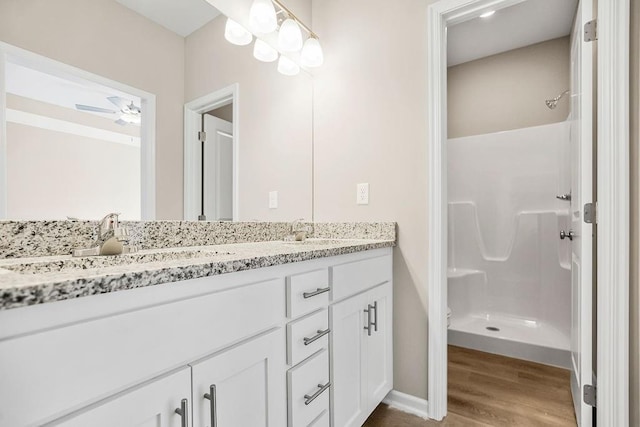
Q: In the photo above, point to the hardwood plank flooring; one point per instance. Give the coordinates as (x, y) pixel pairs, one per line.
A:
(490, 390)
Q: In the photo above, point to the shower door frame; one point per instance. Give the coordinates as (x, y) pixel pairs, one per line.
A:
(612, 205)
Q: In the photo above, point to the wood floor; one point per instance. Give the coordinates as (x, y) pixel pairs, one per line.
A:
(491, 390)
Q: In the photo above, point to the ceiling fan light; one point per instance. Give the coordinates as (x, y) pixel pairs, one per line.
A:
(262, 17)
(236, 33)
(289, 36)
(312, 55)
(287, 66)
(130, 118)
(262, 51)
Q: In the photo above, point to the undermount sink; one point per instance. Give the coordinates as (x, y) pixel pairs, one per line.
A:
(314, 242)
(86, 263)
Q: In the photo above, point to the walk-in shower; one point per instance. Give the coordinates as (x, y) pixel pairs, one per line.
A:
(509, 280)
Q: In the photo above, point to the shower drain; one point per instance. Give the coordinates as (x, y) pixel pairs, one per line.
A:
(492, 328)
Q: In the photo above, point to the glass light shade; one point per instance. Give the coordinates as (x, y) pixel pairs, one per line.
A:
(262, 17)
(131, 118)
(311, 55)
(263, 52)
(287, 66)
(236, 33)
(289, 36)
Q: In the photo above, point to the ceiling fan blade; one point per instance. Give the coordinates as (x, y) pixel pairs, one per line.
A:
(119, 102)
(94, 109)
(121, 122)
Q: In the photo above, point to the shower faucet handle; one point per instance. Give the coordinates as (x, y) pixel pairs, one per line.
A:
(564, 235)
(565, 197)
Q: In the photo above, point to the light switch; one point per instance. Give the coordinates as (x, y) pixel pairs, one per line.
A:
(362, 194)
(273, 199)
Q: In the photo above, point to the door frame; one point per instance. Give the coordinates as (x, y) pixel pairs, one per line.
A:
(192, 112)
(51, 66)
(612, 205)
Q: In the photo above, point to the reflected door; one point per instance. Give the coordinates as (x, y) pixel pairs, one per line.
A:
(218, 169)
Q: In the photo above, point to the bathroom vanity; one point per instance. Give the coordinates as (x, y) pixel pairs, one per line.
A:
(292, 334)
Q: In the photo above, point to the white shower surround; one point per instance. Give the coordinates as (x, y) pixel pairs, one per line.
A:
(507, 266)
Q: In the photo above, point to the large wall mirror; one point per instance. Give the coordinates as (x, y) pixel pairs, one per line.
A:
(142, 107)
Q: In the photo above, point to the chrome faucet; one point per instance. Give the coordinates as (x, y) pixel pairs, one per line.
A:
(299, 232)
(112, 239)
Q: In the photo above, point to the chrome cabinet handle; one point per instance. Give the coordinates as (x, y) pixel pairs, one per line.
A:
(368, 311)
(308, 399)
(375, 316)
(183, 411)
(564, 197)
(211, 396)
(320, 334)
(316, 292)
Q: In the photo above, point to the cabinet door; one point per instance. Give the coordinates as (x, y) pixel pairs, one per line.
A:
(378, 347)
(245, 385)
(348, 401)
(150, 405)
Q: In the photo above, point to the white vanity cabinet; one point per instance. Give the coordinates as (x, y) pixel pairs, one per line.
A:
(152, 404)
(362, 352)
(273, 347)
(242, 386)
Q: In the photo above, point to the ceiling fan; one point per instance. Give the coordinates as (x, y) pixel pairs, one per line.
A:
(129, 113)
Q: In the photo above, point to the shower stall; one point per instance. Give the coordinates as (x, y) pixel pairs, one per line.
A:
(509, 275)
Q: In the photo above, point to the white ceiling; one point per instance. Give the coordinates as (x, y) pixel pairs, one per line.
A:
(524, 24)
(182, 17)
(29, 83)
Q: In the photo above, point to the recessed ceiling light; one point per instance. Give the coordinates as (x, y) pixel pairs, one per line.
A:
(487, 14)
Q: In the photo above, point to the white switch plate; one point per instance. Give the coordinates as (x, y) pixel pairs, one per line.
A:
(273, 199)
(362, 194)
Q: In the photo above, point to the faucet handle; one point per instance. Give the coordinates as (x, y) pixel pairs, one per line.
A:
(109, 222)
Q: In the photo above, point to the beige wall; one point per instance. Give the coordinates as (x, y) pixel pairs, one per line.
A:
(105, 38)
(507, 91)
(275, 122)
(224, 113)
(634, 158)
(370, 117)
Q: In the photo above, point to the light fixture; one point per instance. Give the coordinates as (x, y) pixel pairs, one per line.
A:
(487, 14)
(262, 51)
(262, 17)
(236, 33)
(287, 66)
(289, 36)
(311, 55)
(131, 118)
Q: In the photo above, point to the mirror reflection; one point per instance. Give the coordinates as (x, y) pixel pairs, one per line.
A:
(162, 119)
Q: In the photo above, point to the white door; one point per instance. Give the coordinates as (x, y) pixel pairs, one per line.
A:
(348, 401)
(245, 385)
(218, 169)
(581, 194)
(151, 405)
(378, 347)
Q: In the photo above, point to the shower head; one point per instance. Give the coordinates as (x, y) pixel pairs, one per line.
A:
(553, 103)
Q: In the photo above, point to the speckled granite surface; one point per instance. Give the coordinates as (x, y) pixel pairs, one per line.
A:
(44, 238)
(37, 280)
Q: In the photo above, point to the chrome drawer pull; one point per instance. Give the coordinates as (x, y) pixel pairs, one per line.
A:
(213, 411)
(183, 411)
(369, 323)
(316, 292)
(375, 316)
(308, 399)
(321, 333)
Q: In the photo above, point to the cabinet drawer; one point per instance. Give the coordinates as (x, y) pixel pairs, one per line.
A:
(306, 336)
(307, 292)
(308, 390)
(353, 277)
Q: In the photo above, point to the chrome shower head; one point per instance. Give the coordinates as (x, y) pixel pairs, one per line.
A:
(553, 103)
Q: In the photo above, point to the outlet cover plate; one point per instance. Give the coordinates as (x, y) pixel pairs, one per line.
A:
(362, 194)
(273, 199)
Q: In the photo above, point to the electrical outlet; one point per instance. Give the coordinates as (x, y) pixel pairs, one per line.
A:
(362, 194)
(273, 199)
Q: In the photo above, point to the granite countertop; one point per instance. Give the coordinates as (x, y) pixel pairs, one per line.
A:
(38, 280)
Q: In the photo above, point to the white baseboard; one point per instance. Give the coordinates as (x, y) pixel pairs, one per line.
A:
(407, 403)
